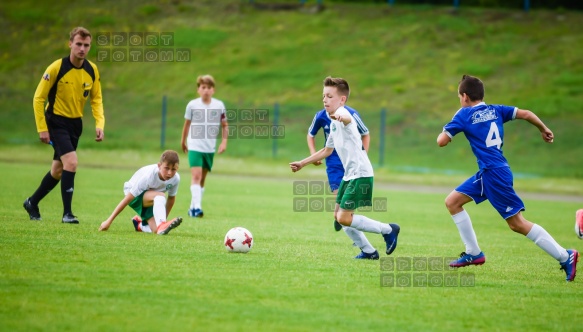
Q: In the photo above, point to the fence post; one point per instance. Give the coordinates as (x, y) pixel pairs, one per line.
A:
(275, 122)
(382, 137)
(163, 131)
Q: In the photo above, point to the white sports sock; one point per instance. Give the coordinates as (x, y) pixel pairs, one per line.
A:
(201, 194)
(196, 192)
(159, 209)
(464, 226)
(359, 239)
(146, 229)
(546, 242)
(365, 224)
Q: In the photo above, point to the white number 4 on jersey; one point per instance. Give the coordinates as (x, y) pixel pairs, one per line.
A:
(493, 138)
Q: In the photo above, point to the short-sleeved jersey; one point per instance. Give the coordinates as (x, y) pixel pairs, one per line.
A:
(347, 142)
(148, 178)
(483, 126)
(66, 89)
(205, 124)
(322, 121)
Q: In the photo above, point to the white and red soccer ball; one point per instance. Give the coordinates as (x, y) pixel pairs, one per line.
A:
(579, 224)
(238, 239)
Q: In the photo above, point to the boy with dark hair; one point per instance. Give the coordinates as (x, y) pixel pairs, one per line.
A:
(482, 125)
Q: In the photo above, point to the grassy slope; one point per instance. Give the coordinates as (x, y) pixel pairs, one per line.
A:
(407, 60)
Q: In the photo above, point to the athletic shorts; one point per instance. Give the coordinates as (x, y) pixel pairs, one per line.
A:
(495, 185)
(64, 133)
(144, 212)
(335, 173)
(355, 193)
(201, 159)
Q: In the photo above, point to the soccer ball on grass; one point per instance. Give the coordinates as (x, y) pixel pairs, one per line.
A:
(238, 239)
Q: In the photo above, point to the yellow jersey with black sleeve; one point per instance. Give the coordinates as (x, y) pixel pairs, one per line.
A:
(65, 89)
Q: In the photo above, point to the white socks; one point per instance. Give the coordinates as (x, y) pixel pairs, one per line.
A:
(464, 225)
(196, 192)
(365, 224)
(359, 239)
(546, 242)
(159, 209)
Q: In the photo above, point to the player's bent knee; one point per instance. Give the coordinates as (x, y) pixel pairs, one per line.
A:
(344, 219)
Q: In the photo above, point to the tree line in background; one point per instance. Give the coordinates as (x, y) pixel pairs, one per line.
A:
(518, 4)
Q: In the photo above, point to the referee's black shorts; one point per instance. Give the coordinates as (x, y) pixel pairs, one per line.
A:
(64, 133)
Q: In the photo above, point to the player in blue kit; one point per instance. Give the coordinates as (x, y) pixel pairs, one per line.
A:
(482, 125)
(334, 168)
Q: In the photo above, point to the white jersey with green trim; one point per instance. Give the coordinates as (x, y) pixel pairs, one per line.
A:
(205, 124)
(347, 141)
(148, 178)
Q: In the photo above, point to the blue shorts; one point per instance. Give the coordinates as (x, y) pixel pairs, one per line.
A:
(495, 185)
(335, 173)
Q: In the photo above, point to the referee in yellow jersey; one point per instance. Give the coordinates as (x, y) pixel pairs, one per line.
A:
(65, 87)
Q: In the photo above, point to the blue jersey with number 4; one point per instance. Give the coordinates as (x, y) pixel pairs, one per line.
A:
(483, 126)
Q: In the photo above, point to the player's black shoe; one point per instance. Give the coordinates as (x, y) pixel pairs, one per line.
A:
(69, 218)
(32, 210)
(337, 226)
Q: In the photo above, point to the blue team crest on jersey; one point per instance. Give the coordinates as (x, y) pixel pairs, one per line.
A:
(484, 115)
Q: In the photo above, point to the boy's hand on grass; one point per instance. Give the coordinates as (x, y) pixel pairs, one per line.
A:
(104, 226)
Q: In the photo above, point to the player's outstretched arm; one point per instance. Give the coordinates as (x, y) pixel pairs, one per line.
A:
(124, 202)
(323, 153)
(533, 119)
(443, 139)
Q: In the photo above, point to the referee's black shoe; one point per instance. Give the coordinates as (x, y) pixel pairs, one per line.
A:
(69, 218)
(32, 210)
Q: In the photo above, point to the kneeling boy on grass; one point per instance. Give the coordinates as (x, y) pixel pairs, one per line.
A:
(146, 191)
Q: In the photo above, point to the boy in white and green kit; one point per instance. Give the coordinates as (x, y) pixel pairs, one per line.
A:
(356, 187)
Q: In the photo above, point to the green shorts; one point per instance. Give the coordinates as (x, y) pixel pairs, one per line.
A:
(144, 212)
(355, 193)
(201, 159)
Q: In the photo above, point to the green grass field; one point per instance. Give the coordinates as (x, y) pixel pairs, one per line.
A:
(299, 276)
